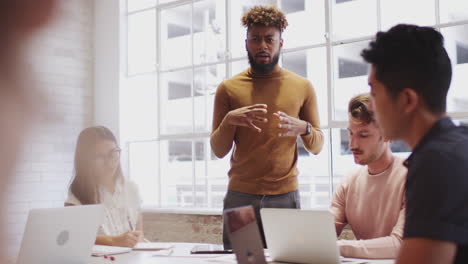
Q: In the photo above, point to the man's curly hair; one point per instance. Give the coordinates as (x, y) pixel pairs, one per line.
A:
(265, 16)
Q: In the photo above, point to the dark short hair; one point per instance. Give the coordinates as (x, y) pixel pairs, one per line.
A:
(358, 108)
(409, 56)
(269, 16)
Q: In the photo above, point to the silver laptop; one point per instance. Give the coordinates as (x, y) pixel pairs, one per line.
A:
(300, 236)
(60, 235)
(244, 235)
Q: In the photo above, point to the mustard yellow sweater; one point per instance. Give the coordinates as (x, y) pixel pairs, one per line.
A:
(264, 163)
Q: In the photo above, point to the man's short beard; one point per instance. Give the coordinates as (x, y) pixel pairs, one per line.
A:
(263, 68)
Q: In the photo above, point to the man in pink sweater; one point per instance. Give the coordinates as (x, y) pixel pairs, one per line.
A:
(371, 199)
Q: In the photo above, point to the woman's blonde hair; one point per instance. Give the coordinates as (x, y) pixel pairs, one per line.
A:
(84, 186)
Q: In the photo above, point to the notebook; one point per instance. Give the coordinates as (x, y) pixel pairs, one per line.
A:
(152, 246)
(99, 250)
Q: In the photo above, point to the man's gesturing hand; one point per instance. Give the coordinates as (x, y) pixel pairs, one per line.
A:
(246, 116)
(293, 127)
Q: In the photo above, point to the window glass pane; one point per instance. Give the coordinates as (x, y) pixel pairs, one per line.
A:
(306, 21)
(142, 42)
(143, 168)
(176, 40)
(209, 31)
(165, 1)
(207, 80)
(138, 108)
(238, 32)
(239, 66)
(202, 150)
(175, 97)
(314, 179)
(456, 43)
(354, 18)
(311, 64)
(453, 10)
(217, 175)
(349, 75)
(176, 173)
(134, 5)
(393, 13)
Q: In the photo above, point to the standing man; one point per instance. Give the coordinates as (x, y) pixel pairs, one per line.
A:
(262, 111)
(371, 199)
(409, 79)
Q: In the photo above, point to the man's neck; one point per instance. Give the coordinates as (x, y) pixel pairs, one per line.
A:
(275, 69)
(419, 126)
(382, 164)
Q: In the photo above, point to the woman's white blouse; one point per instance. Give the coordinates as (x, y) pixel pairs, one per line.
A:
(122, 208)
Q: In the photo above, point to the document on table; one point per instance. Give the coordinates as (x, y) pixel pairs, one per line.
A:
(152, 246)
(99, 250)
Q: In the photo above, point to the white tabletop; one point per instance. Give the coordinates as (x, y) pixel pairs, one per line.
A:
(180, 254)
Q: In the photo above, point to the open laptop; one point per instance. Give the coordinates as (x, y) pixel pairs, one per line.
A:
(244, 235)
(60, 235)
(298, 236)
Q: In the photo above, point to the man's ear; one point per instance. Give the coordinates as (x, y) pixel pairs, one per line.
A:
(409, 100)
(281, 42)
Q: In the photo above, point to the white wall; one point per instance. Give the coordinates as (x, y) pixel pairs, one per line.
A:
(63, 56)
(107, 39)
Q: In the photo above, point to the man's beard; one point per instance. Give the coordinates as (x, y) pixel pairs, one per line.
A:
(261, 67)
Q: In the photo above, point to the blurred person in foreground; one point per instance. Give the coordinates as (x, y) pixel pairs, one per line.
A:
(20, 20)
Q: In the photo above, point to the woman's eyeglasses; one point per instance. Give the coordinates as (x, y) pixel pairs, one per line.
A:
(112, 156)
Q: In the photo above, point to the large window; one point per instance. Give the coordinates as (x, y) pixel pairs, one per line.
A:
(178, 51)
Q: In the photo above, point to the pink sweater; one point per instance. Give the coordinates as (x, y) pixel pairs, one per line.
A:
(374, 207)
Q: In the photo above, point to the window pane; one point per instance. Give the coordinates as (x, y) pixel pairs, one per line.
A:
(165, 1)
(209, 31)
(238, 32)
(239, 66)
(306, 22)
(456, 43)
(176, 173)
(138, 108)
(202, 150)
(143, 167)
(314, 179)
(453, 10)
(311, 64)
(175, 97)
(134, 5)
(142, 42)
(350, 76)
(210, 176)
(354, 18)
(207, 80)
(217, 179)
(176, 40)
(393, 13)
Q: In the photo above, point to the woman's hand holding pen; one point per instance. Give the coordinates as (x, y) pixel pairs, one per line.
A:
(128, 239)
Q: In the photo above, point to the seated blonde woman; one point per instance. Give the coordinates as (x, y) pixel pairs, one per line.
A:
(98, 180)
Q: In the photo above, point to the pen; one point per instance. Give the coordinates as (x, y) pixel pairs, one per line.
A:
(130, 223)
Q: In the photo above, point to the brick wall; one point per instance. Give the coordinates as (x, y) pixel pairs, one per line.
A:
(167, 227)
(170, 227)
(63, 58)
(192, 228)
